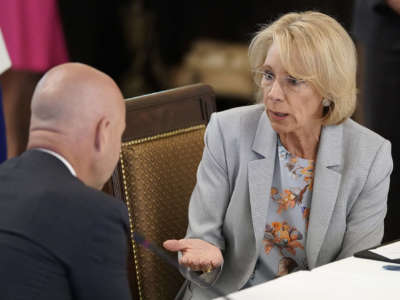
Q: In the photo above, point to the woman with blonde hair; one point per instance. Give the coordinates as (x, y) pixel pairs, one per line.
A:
(292, 179)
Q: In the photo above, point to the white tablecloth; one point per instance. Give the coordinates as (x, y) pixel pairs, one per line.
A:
(350, 278)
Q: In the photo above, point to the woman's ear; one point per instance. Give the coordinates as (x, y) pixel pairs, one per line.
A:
(101, 134)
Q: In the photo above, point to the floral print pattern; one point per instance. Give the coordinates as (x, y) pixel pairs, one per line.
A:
(291, 196)
(283, 236)
(288, 216)
(294, 195)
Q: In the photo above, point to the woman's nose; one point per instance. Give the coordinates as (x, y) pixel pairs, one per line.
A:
(276, 92)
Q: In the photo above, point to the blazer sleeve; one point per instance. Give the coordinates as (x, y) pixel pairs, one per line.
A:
(101, 270)
(365, 222)
(210, 196)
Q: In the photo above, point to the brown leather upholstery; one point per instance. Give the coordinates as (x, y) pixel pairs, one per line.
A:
(162, 146)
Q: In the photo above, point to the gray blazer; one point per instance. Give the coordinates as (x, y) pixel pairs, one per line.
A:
(230, 202)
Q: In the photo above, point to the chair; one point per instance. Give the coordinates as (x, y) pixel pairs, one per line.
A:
(162, 147)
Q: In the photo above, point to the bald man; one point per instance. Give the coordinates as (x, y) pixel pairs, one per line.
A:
(60, 237)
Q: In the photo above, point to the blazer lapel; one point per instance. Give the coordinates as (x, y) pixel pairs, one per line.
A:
(260, 172)
(325, 189)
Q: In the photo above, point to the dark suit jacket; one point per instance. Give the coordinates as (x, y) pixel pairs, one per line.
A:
(59, 239)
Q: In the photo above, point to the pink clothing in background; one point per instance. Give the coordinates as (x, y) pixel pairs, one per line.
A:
(33, 34)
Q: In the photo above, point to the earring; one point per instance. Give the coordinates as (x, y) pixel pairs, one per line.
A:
(326, 102)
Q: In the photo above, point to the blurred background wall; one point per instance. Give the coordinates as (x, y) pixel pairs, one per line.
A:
(152, 45)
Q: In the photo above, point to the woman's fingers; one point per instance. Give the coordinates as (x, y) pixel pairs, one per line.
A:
(172, 245)
(178, 245)
(197, 254)
(197, 265)
(203, 262)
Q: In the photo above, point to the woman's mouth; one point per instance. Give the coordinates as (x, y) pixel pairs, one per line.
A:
(277, 115)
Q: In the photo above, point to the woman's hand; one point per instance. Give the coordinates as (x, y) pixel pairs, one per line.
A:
(197, 254)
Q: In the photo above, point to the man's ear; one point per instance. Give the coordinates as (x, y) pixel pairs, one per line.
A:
(101, 134)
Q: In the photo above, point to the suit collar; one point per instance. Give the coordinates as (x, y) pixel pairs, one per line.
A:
(60, 157)
(40, 161)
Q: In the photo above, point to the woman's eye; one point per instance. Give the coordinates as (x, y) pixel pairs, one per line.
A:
(294, 81)
(268, 75)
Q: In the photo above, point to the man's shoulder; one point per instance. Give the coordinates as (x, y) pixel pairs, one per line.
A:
(88, 200)
(78, 214)
(60, 214)
(40, 180)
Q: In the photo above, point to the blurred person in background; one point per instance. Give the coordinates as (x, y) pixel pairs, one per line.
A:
(292, 183)
(376, 28)
(35, 41)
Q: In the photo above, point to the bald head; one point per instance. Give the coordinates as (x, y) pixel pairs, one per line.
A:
(70, 96)
(70, 105)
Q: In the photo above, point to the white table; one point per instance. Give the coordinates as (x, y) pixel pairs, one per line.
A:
(351, 278)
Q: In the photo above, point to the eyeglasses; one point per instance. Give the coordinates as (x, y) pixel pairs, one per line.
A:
(288, 83)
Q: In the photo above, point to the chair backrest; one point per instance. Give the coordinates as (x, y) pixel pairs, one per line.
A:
(162, 147)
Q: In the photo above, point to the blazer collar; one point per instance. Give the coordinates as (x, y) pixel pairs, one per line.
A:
(260, 173)
(326, 186)
(330, 146)
(266, 138)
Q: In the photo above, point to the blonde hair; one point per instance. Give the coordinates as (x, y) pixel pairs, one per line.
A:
(317, 49)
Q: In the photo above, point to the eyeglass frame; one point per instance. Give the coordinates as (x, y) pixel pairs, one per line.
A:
(299, 82)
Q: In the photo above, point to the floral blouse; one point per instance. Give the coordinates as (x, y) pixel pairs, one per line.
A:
(288, 215)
